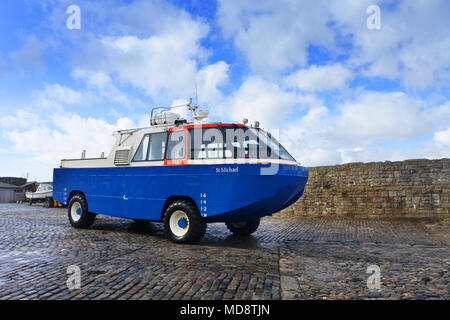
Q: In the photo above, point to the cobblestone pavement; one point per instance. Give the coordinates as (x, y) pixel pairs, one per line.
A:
(287, 258)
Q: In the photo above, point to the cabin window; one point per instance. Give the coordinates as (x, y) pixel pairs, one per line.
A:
(152, 147)
(234, 142)
(157, 146)
(273, 146)
(176, 145)
(207, 143)
(141, 153)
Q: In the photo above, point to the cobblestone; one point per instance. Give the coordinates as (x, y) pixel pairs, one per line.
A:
(287, 258)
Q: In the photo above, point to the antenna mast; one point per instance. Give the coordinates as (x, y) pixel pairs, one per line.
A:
(196, 91)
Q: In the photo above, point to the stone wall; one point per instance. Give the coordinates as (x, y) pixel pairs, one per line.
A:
(411, 188)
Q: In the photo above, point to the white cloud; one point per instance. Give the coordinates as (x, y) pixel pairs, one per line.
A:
(259, 100)
(371, 126)
(440, 115)
(377, 115)
(95, 79)
(320, 78)
(144, 47)
(310, 139)
(62, 94)
(36, 150)
(22, 118)
(152, 47)
(165, 65)
(65, 136)
(365, 126)
(274, 35)
(208, 79)
(156, 63)
(102, 86)
(411, 46)
(54, 96)
(155, 49)
(442, 137)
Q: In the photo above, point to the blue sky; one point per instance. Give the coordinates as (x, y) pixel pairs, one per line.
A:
(336, 90)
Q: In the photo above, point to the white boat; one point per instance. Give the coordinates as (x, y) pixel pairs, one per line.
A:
(44, 191)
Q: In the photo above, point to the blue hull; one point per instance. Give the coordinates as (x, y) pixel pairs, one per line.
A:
(221, 192)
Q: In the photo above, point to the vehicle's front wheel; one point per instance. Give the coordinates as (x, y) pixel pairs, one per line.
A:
(79, 216)
(243, 228)
(183, 223)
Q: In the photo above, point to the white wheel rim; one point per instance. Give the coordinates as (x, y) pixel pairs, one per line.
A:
(75, 211)
(179, 223)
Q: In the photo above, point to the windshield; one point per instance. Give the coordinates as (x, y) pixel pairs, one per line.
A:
(273, 145)
(45, 187)
(228, 142)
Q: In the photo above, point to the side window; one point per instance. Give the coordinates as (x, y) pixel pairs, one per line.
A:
(157, 146)
(141, 153)
(207, 143)
(176, 146)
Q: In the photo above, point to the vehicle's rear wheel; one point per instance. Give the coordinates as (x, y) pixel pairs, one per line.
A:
(183, 223)
(243, 228)
(79, 216)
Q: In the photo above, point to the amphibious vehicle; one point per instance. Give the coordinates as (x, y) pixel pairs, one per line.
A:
(184, 173)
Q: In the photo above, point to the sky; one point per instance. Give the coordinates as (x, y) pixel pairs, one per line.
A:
(340, 81)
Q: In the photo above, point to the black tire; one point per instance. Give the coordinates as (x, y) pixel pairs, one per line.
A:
(243, 228)
(140, 221)
(86, 218)
(195, 225)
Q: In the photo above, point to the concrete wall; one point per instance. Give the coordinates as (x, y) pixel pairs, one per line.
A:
(411, 188)
(11, 195)
(6, 195)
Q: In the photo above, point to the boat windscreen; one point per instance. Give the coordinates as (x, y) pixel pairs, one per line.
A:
(228, 142)
(44, 187)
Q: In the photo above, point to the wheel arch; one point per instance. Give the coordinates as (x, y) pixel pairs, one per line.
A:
(73, 193)
(171, 199)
